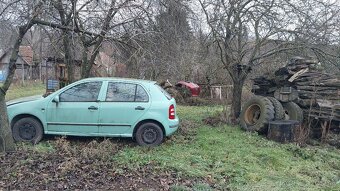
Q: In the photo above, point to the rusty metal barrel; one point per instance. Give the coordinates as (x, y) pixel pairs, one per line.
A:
(283, 131)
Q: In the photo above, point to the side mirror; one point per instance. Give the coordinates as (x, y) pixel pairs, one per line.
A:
(56, 99)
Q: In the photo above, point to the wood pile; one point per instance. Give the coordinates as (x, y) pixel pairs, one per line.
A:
(178, 94)
(306, 83)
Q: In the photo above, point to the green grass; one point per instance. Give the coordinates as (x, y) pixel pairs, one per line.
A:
(231, 158)
(224, 157)
(23, 90)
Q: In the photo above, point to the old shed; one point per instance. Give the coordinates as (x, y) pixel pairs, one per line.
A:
(24, 63)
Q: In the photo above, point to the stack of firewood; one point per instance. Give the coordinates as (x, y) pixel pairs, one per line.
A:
(318, 93)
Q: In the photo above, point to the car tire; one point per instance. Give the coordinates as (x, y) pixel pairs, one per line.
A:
(149, 134)
(292, 111)
(27, 129)
(278, 109)
(256, 113)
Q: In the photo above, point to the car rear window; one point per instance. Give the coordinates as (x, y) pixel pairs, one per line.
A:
(167, 95)
(125, 92)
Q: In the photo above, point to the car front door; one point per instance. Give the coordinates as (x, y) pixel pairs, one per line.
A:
(75, 110)
(124, 105)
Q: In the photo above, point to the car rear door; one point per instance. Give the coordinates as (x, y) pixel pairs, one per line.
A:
(77, 110)
(124, 104)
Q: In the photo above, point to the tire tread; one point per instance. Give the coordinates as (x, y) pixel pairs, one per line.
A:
(267, 113)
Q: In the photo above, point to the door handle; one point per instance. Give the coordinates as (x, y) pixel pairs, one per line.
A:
(139, 108)
(92, 108)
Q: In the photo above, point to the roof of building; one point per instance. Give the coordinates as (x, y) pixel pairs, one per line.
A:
(26, 53)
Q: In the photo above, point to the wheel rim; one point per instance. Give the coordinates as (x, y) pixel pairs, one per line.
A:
(287, 117)
(149, 135)
(287, 114)
(252, 114)
(27, 131)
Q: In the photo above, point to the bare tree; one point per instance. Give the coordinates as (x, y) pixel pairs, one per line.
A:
(113, 17)
(166, 50)
(320, 29)
(65, 19)
(246, 32)
(6, 139)
(80, 20)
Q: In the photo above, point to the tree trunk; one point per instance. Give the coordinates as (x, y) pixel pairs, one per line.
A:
(85, 71)
(68, 58)
(87, 66)
(6, 139)
(86, 63)
(236, 99)
(92, 60)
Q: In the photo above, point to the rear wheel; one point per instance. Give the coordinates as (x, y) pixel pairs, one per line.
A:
(149, 134)
(278, 108)
(27, 129)
(292, 111)
(256, 113)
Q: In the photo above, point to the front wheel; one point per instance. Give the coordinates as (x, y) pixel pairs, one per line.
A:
(149, 134)
(27, 129)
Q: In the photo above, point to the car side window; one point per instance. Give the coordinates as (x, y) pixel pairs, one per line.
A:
(141, 95)
(85, 92)
(125, 92)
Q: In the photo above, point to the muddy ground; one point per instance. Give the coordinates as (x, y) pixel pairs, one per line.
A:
(80, 164)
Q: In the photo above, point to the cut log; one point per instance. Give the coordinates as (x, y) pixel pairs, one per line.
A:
(283, 131)
(310, 82)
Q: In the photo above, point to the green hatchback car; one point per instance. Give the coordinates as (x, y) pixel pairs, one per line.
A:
(106, 107)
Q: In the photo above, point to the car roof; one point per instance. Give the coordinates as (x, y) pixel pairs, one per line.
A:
(119, 79)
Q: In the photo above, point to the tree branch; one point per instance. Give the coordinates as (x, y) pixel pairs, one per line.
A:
(9, 5)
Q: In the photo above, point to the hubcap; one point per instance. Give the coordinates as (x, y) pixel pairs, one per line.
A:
(252, 114)
(27, 131)
(286, 115)
(149, 135)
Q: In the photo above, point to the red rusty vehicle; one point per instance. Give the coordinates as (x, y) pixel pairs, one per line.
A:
(192, 87)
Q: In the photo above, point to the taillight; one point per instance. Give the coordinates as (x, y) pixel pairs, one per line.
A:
(172, 112)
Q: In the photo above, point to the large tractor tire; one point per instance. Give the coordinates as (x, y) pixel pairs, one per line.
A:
(278, 108)
(256, 113)
(292, 111)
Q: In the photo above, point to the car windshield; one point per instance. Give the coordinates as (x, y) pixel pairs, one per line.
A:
(167, 95)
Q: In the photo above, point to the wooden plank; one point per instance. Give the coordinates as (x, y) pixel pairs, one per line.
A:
(297, 74)
(316, 88)
(311, 84)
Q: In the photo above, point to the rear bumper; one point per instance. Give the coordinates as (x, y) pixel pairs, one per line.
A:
(172, 127)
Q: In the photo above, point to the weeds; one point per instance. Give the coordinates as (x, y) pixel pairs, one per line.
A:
(197, 157)
(99, 150)
(228, 158)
